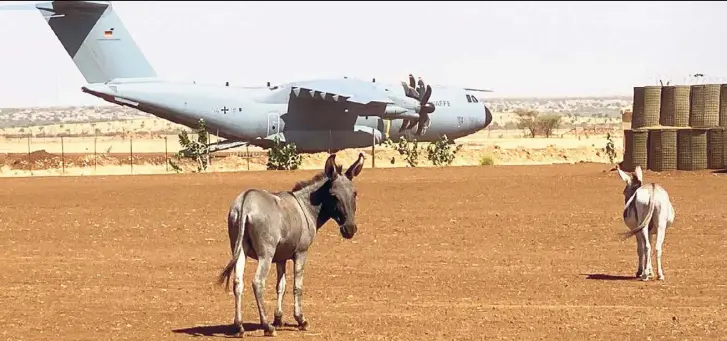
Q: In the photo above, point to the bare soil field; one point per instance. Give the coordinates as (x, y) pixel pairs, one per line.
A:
(458, 253)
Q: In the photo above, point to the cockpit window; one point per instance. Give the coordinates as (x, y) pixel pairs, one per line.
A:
(475, 99)
(469, 98)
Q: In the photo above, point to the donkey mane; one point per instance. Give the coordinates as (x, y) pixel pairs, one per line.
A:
(316, 178)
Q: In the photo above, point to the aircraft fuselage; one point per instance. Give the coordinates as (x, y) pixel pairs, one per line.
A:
(256, 115)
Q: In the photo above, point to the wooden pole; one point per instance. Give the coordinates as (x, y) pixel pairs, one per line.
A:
(166, 153)
(131, 153)
(30, 162)
(63, 157)
(373, 150)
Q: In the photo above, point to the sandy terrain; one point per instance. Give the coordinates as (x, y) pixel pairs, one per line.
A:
(113, 154)
(453, 253)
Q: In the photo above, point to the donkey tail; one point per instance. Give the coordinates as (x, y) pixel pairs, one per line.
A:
(224, 276)
(644, 222)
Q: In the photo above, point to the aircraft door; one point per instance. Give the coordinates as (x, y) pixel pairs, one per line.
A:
(273, 123)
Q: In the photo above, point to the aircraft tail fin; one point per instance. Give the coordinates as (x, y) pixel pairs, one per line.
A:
(96, 39)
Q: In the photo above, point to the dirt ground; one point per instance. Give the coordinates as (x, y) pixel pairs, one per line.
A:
(502, 252)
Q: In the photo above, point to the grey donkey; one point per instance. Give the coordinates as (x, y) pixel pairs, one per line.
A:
(646, 205)
(277, 227)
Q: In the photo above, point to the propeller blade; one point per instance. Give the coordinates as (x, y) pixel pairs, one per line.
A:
(403, 125)
(411, 81)
(427, 94)
(423, 124)
(412, 123)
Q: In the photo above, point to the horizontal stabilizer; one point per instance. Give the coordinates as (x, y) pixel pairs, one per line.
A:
(18, 7)
(478, 90)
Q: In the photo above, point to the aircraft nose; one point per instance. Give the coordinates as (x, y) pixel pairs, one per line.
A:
(488, 117)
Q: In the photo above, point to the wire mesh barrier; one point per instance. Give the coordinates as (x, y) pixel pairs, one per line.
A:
(690, 131)
(102, 155)
(692, 149)
(662, 149)
(715, 148)
(636, 149)
(675, 106)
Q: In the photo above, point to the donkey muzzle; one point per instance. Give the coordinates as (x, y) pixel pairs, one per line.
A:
(347, 231)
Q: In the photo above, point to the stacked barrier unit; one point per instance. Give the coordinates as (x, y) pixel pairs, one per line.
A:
(677, 127)
(662, 154)
(636, 145)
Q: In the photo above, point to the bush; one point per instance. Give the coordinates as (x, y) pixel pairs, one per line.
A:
(283, 156)
(486, 160)
(196, 150)
(410, 150)
(610, 149)
(441, 152)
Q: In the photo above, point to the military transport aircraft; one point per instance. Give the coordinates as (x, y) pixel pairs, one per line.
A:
(317, 115)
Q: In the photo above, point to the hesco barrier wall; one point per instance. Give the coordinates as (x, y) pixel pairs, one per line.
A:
(636, 149)
(662, 149)
(680, 127)
(715, 148)
(675, 106)
(692, 149)
(647, 106)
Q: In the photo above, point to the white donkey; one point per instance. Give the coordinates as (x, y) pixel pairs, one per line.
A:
(647, 205)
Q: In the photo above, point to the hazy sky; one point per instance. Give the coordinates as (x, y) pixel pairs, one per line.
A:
(516, 49)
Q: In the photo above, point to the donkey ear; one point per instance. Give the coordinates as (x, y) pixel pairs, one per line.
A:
(625, 177)
(639, 174)
(331, 169)
(355, 168)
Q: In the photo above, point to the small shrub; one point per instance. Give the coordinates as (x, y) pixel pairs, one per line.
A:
(196, 150)
(610, 149)
(283, 156)
(441, 153)
(410, 150)
(486, 160)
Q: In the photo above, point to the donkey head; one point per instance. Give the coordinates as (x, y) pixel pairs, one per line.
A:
(339, 195)
(633, 181)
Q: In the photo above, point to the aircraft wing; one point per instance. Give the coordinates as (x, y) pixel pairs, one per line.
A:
(352, 91)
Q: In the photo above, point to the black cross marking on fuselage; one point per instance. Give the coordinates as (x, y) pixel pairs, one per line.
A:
(225, 110)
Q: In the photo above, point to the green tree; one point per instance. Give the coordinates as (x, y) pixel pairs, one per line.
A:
(283, 156)
(526, 120)
(441, 153)
(410, 150)
(547, 123)
(196, 150)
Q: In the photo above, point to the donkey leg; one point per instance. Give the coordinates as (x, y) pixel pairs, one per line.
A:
(258, 287)
(237, 288)
(299, 265)
(640, 253)
(646, 268)
(278, 321)
(660, 234)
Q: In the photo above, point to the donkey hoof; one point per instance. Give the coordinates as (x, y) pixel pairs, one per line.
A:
(270, 330)
(237, 329)
(660, 277)
(303, 326)
(278, 321)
